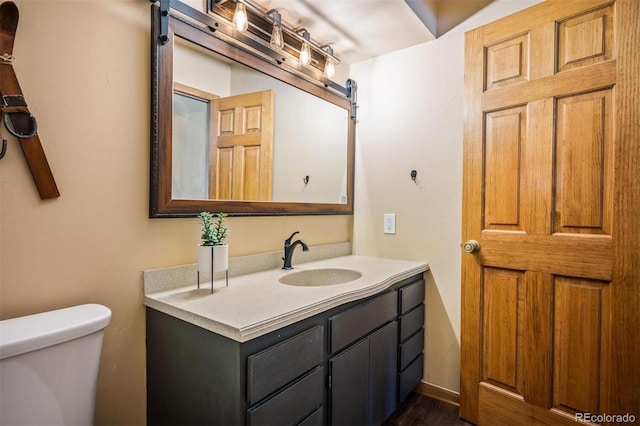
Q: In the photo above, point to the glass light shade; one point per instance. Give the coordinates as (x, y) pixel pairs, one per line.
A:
(329, 67)
(240, 18)
(277, 41)
(305, 53)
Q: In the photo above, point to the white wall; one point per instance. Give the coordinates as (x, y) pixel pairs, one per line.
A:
(193, 66)
(410, 117)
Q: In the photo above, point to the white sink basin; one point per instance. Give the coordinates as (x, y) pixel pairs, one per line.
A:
(320, 277)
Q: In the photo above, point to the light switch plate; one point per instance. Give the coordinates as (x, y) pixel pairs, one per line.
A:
(389, 223)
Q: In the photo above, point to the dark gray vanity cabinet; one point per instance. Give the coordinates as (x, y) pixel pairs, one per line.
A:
(349, 365)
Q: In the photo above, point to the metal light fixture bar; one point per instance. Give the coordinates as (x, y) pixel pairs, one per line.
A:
(294, 32)
(222, 27)
(262, 24)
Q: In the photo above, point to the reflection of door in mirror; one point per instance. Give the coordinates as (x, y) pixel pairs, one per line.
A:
(243, 156)
(237, 165)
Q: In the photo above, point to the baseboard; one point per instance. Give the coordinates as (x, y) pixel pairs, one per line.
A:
(441, 394)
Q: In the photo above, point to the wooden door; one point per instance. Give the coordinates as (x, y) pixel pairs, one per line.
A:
(551, 301)
(244, 147)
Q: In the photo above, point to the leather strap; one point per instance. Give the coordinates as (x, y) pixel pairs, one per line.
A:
(8, 25)
(22, 120)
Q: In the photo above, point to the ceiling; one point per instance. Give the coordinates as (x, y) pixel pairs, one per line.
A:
(363, 29)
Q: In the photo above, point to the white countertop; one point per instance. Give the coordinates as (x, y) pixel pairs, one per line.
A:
(257, 303)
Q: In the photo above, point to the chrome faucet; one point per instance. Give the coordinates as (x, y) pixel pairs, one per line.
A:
(289, 247)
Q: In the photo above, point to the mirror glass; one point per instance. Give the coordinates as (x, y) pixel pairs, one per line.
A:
(307, 136)
(243, 135)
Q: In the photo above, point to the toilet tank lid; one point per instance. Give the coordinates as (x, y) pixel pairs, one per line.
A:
(32, 332)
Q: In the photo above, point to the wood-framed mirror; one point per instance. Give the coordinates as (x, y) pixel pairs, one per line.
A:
(234, 132)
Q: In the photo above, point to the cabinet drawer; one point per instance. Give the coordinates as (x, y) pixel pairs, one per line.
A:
(410, 349)
(314, 419)
(269, 370)
(411, 296)
(410, 378)
(411, 322)
(293, 404)
(351, 325)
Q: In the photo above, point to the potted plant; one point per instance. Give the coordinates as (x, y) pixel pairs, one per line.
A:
(213, 248)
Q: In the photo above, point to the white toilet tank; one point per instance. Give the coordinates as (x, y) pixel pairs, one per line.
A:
(49, 366)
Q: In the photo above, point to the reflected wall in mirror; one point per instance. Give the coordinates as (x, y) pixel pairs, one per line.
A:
(243, 135)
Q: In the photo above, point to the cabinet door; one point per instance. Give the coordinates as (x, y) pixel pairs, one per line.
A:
(350, 385)
(383, 364)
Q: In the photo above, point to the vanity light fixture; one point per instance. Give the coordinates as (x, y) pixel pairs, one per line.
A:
(305, 49)
(277, 39)
(267, 27)
(265, 33)
(229, 17)
(240, 17)
(329, 65)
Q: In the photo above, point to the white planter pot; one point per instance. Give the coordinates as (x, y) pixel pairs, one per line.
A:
(220, 258)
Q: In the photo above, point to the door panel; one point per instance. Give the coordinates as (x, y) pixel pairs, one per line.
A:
(222, 179)
(507, 62)
(547, 194)
(505, 135)
(579, 308)
(585, 39)
(583, 169)
(500, 352)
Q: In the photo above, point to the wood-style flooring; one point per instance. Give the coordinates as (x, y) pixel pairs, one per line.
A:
(420, 410)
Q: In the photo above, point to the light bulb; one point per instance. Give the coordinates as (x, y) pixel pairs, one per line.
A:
(277, 41)
(329, 67)
(240, 18)
(305, 53)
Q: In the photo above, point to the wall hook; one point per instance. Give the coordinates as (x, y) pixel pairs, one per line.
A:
(305, 180)
(414, 176)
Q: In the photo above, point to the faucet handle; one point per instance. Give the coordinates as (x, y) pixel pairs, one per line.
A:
(288, 240)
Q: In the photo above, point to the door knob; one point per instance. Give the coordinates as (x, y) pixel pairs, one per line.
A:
(471, 246)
